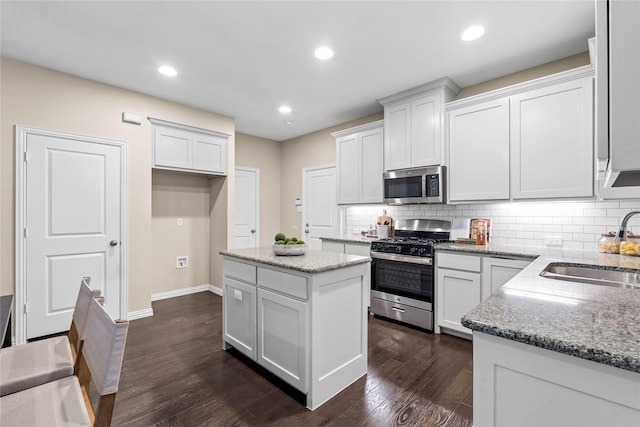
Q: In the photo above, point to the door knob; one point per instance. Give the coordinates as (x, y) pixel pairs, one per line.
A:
(306, 231)
(253, 231)
(113, 243)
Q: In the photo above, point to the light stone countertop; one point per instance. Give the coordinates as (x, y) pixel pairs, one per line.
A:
(593, 322)
(351, 238)
(311, 262)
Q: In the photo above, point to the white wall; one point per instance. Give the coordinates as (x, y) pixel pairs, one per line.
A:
(518, 223)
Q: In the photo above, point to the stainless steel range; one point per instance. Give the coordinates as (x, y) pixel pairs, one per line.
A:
(402, 271)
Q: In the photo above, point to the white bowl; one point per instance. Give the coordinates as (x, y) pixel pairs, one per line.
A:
(289, 250)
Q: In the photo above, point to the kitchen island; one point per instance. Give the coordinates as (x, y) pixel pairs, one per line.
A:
(303, 318)
(556, 352)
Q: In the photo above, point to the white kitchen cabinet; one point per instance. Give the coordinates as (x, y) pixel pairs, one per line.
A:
(239, 311)
(189, 149)
(359, 156)
(363, 249)
(282, 337)
(517, 384)
(479, 152)
(552, 141)
(498, 271)
(532, 140)
(414, 125)
(310, 326)
(464, 280)
(458, 289)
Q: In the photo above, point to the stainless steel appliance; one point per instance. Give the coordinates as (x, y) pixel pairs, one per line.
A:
(418, 185)
(402, 282)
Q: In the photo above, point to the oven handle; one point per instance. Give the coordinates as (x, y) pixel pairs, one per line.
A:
(401, 310)
(402, 258)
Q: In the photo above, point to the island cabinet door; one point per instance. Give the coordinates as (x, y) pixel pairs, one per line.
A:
(239, 316)
(282, 337)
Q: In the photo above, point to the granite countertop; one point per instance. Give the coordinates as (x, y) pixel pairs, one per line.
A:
(593, 322)
(351, 238)
(311, 262)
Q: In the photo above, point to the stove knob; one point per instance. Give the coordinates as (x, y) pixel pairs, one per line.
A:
(398, 249)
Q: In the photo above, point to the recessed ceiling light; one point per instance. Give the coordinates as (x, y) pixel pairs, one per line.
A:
(167, 70)
(323, 53)
(472, 33)
(285, 109)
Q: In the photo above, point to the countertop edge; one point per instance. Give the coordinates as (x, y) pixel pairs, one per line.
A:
(583, 352)
(356, 260)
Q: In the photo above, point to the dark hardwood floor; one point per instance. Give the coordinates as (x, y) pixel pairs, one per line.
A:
(175, 373)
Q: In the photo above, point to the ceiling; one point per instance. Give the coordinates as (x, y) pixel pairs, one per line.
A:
(244, 59)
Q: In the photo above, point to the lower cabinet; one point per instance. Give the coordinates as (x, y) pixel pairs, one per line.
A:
(518, 384)
(463, 281)
(498, 271)
(239, 316)
(282, 337)
(458, 289)
(363, 249)
(309, 328)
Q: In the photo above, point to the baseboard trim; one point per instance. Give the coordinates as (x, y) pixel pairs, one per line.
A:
(148, 312)
(185, 291)
(140, 314)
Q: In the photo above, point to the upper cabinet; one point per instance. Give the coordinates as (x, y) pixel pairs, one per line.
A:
(360, 164)
(189, 149)
(414, 125)
(479, 151)
(528, 141)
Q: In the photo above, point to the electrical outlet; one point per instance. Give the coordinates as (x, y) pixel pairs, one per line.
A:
(553, 242)
(179, 222)
(182, 262)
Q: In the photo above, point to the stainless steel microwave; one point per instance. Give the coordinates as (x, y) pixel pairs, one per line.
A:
(417, 185)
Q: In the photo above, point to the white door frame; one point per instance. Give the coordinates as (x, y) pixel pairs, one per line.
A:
(21, 211)
(257, 201)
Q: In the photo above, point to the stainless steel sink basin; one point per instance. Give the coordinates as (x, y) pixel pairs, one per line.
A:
(583, 273)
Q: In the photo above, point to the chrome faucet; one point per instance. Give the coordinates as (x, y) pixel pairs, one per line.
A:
(622, 231)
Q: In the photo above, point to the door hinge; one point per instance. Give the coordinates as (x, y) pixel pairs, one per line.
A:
(26, 157)
(26, 308)
(26, 232)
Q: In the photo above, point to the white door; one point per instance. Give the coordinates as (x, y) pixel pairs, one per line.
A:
(73, 217)
(319, 206)
(246, 208)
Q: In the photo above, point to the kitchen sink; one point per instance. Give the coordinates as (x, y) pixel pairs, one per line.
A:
(584, 273)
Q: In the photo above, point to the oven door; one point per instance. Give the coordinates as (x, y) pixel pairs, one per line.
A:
(405, 276)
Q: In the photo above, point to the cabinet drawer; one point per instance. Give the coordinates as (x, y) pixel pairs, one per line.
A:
(458, 262)
(284, 283)
(239, 270)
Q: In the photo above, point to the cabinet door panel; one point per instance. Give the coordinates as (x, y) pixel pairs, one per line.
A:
(172, 148)
(239, 316)
(356, 249)
(552, 141)
(498, 271)
(209, 153)
(282, 335)
(397, 134)
(458, 293)
(348, 169)
(371, 166)
(479, 152)
(425, 131)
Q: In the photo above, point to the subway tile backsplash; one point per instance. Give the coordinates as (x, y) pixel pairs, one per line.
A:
(579, 223)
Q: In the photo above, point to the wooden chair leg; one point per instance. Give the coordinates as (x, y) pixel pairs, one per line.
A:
(105, 410)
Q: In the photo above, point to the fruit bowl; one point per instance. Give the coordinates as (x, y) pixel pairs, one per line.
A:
(289, 250)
